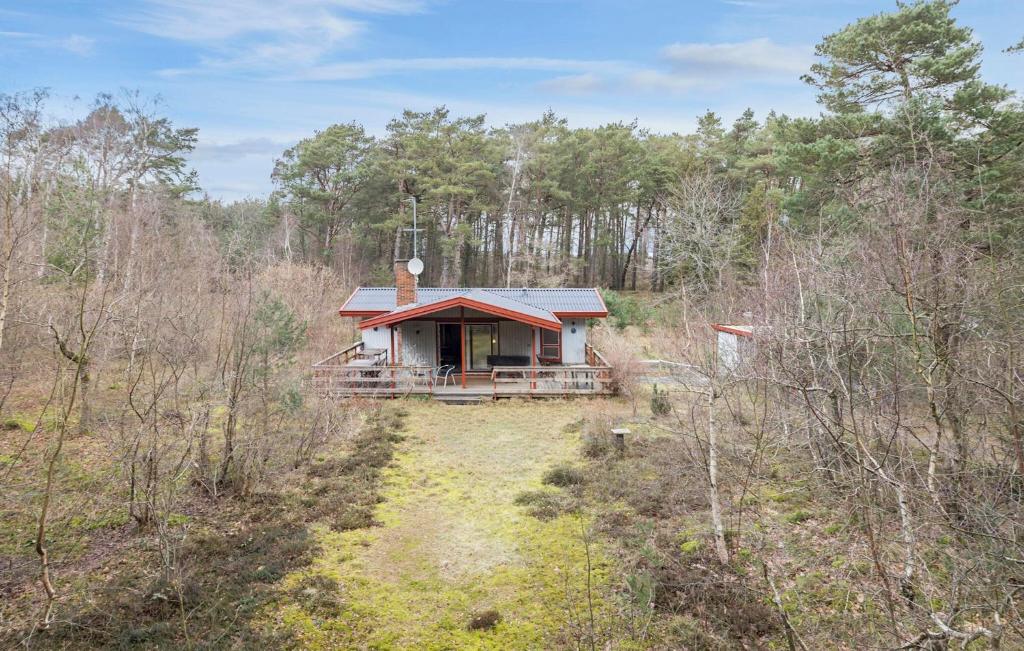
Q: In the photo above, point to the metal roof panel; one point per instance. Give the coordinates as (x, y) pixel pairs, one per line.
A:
(556, 300)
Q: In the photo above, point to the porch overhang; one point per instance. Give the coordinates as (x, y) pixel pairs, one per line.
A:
(528, 315)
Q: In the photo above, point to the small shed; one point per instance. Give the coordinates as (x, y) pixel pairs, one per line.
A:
(734, 346)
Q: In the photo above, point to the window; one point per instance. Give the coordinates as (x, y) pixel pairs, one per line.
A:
(551, 344)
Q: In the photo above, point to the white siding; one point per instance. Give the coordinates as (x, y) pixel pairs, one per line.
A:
(728, 351)
(379, 337)
(419, 343)
(514, 338)
(574, 343)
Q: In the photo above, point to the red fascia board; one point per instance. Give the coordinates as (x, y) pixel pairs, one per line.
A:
(457, 301)
(580, 315)
(361, 312)
(732, 331)
(601, 298)
(341, 310)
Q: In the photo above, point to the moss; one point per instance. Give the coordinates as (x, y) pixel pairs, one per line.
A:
(451, 538)
(798, 516)
(690, 547)
(22, 422)
(94, 522)
(177, 519)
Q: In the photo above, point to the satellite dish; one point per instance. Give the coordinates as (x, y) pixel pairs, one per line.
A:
(415, 266)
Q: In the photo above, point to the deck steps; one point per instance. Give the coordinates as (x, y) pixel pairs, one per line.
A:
(462, 398)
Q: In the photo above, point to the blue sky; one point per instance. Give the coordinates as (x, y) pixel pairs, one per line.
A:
(255, 76)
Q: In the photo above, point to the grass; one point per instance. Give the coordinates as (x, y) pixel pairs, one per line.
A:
(455, 563)
(229, 569)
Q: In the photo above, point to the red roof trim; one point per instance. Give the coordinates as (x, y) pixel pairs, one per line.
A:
(580, 315)
(362, 312)
(601, 298)
(341, 310)
(456, 301)
(731, 330)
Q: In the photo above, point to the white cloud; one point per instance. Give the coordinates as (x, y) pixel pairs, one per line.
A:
(379, 67)
(691, 66)
(260, 34)
(245, 147)
(655, 81)
(75, 43)
(582, 84)
(746, 58)
(78, 44)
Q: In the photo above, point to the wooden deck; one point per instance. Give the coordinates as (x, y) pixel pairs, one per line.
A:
(357, 372)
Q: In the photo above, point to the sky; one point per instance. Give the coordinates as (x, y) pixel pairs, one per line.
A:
(256, 76)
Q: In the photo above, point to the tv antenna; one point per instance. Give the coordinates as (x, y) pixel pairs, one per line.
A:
(415, 265)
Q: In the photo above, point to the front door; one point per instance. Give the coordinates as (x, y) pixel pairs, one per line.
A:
(480, 340)
(448, 344)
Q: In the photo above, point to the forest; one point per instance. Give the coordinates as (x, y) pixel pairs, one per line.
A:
(168, 480)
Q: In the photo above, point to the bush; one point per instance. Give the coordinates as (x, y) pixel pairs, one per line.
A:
(660, 404)
(563, 476)
(624, 311)
(596, 435)
(596, 446)
(544, 505)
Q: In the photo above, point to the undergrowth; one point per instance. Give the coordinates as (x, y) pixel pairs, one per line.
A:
(223, 573)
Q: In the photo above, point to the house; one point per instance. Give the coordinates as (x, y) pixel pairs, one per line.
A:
(470, 341)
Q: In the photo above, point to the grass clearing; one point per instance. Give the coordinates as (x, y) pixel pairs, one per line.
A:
(453, 544)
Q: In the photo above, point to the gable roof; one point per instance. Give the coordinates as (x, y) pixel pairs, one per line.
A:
(572, 302)
(477, 299)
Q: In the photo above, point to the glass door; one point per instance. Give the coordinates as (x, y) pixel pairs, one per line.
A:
(480, 342)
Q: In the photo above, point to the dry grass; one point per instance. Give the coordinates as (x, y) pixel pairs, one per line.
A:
(453, 543)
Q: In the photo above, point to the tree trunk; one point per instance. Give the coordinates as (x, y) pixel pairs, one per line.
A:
(713, 495)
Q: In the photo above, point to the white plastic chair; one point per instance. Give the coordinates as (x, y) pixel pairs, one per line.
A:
(445, 371)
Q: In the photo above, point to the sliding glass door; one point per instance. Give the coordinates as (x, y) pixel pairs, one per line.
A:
(480, 340)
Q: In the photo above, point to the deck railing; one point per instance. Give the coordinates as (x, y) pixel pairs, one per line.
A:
(358, 350)
(380, 381)
(361, 371)
(550, 380)
(594, 357)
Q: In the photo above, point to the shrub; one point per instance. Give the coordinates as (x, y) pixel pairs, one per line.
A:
(544, 505)
(563, 476)
(624, 311)
(596, 436)
(660, 404)
(596, 446)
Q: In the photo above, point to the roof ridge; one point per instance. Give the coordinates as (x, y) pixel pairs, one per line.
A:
(536, 307)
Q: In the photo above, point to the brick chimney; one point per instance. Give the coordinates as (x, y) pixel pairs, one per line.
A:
(405, 284)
